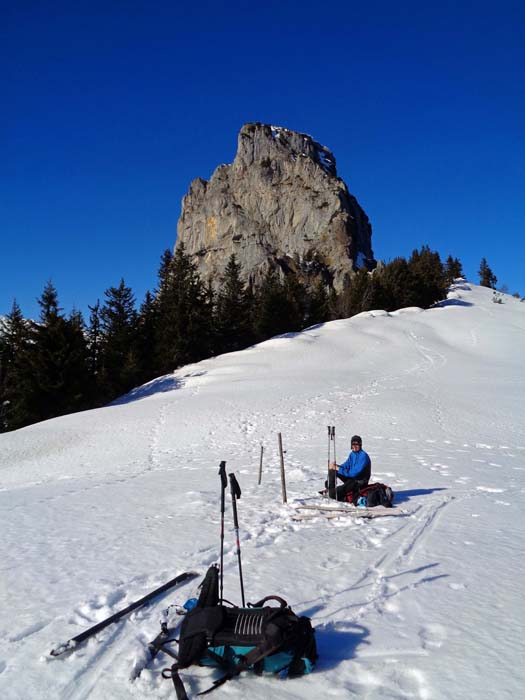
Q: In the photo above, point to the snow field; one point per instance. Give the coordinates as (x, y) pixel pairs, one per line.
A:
(101, 507)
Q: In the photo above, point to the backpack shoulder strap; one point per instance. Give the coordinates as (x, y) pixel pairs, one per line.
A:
(251, 658)
(173, 673)
(260, 603)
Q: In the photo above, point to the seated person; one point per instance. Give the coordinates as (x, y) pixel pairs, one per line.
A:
(354, 473)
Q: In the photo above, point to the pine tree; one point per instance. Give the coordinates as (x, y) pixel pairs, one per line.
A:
(94, 339)
(233, 310)
(146, 337)
(297, 301)
(319, 310)
(119, 360)
(430, 275)
(185, 314)
(14, 340)
(486, 277)
(453, 269)
(396, 286)
(48, 302)
(357, 296)
(164, 273)
(279, 307)
(53, 378)
(267, 307)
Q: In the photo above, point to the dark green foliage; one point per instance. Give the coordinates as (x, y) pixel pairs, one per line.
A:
(146, 336)
(185, 314)
(94, 341)
(486, 277)
(279, 307)
(430, 278)
(357, 297)
(48, 376)
(48, 302)
(319, 307)
(394, 287)
(233, 311)
(297, 301)
(14, 340)
(453, 269)
(119, 365)
(420, 281)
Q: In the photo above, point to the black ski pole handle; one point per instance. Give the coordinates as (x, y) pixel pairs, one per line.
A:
(235, 488)
(222, 474)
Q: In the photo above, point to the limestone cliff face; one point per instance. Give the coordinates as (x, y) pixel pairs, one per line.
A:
(279, 205)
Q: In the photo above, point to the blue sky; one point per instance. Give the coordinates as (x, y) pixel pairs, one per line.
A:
(109, 110)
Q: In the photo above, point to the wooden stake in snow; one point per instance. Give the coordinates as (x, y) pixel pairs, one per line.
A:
(283, 479)
(260, 465)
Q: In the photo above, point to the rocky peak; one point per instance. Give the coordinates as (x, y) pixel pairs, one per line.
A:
(279, 205)
(260, 142)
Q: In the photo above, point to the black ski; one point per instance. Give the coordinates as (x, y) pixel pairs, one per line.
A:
(75, 641)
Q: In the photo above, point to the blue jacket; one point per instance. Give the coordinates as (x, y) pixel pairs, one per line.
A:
(357, 466)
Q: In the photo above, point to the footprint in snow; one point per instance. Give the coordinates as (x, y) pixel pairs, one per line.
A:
(27, 632)
(330, 563)
(457, 586)
(432, 636)
(411, 682)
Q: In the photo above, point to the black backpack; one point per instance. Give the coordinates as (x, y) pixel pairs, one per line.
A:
(260, 637)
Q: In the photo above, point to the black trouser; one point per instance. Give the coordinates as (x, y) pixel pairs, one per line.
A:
(349, 485)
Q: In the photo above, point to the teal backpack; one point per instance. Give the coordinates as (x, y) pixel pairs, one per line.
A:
(259, 638)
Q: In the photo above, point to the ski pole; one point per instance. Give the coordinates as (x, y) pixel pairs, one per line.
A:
(328, 476)
(335, 462)
(224, 484)
(332, 474)
(236, 493)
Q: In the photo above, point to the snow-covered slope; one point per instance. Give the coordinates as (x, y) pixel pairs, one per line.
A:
(100, 507)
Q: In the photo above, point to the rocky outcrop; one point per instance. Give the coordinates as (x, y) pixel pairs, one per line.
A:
(279, 205)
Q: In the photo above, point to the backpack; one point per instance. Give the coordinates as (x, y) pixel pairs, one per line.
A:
(373, 495)
(260, 638)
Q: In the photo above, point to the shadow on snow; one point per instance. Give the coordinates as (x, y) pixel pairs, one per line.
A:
(451, 302)
(156, 386)
(335, 645)
(403, 496)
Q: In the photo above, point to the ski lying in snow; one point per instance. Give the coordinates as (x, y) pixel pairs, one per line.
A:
(330, 516)
(73, 643)
(347, 507)
(334, 511)
(362, 514)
